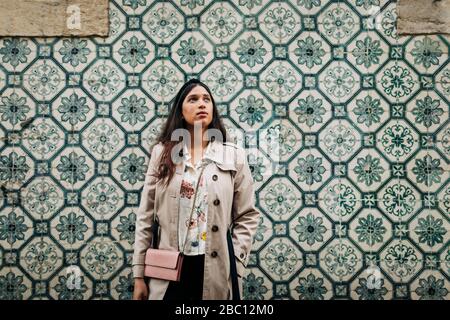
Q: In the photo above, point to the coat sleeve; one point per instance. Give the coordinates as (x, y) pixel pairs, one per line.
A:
(245, 214)
(144, 218)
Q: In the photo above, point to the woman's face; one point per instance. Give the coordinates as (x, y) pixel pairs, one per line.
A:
(197, 106)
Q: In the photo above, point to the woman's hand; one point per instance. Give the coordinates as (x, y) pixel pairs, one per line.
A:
(140, 289)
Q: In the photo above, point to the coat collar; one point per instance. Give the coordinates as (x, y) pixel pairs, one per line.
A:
(216, 152)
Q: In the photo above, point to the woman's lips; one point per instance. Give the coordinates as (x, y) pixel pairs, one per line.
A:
(202, 114)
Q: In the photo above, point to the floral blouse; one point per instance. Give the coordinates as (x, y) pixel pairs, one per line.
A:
(196, 228)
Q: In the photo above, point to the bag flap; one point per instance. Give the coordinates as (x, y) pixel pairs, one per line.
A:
(162, 258)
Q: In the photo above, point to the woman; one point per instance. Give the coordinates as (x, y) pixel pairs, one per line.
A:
(224, 196)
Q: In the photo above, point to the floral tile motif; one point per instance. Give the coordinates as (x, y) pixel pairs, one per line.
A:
(41, 258)
(311, 284)
(163, 22)
(101, 258)
(362, 289)
(250, 51)
(281, 198)
(72, 285)
(72, 228)
(193, 51)
(15, 228)
(16, 279)
(74, 54)
(340, 259)
(73, 109)
(44, 79)
(281, 258)
(17, 53)
(15, 106)
(430, 285)
(371, 228)
(346, 127)
(311, 229)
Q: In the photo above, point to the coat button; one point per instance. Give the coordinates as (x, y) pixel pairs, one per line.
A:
(214, 254)
(242, 255)
(215, 228)
(214, 177)
(216, 202)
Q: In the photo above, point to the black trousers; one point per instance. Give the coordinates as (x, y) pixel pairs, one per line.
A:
(190, 286)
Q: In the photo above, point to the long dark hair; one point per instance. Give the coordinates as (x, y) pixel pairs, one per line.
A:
(166, 168)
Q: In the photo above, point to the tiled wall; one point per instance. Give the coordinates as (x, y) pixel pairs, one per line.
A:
(357, 207)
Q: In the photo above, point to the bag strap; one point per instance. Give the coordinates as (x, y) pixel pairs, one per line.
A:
(155, 232)
(193, 205)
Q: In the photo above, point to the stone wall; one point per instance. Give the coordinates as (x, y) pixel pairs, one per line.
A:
(53, 17)
(423, 17)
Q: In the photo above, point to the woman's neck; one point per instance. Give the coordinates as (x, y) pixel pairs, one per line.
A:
(197, 141)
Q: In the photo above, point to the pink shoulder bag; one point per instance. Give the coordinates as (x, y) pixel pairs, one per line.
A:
(165, 264)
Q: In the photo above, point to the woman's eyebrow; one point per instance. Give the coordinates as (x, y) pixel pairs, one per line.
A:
(196, 95)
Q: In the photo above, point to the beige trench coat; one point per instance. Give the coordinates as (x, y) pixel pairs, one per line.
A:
(235, 198)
